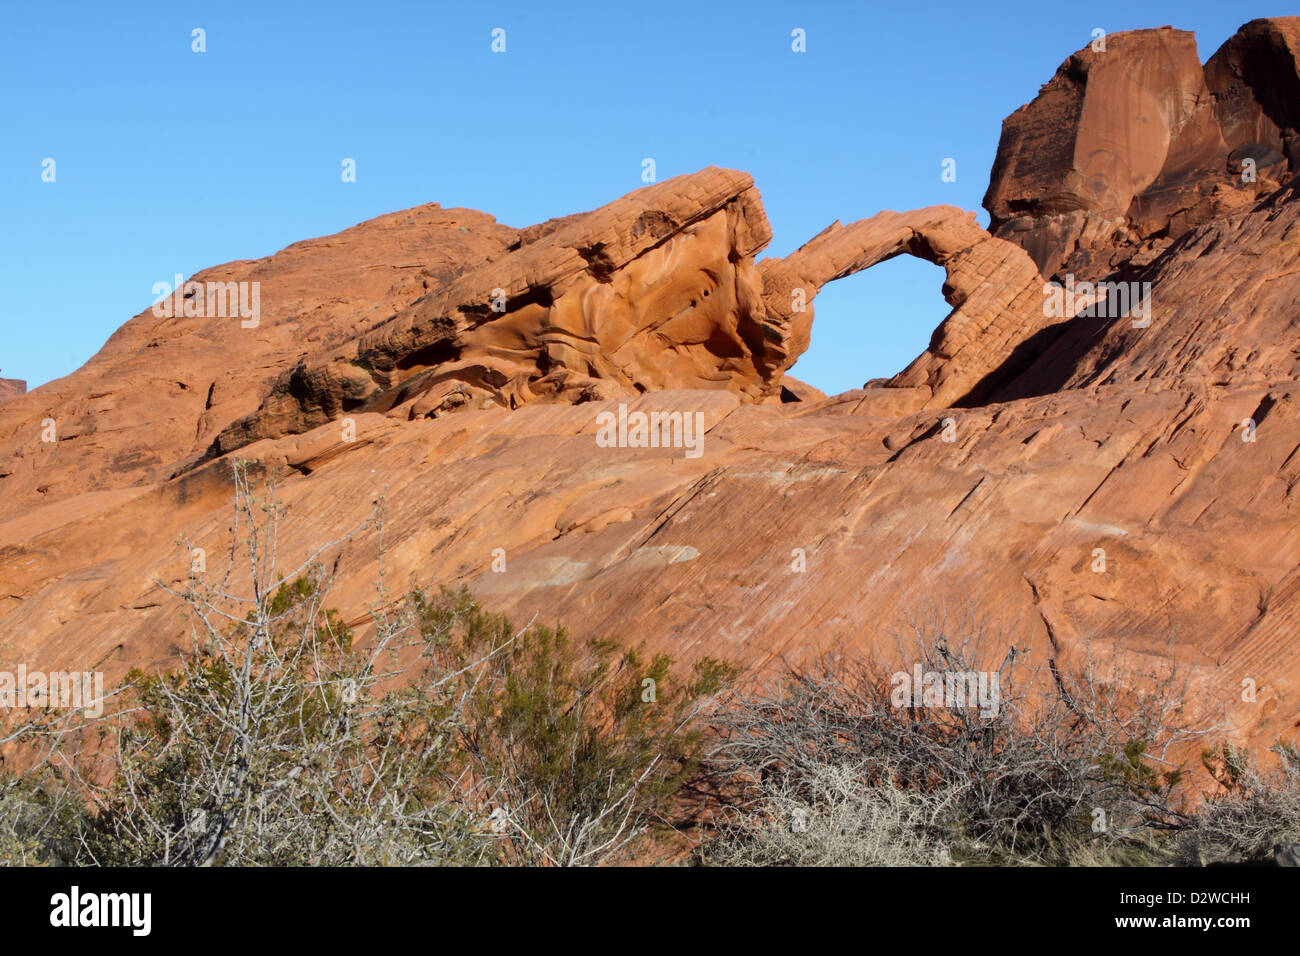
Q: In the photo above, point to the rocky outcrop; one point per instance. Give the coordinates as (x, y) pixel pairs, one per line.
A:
(1255, 79)
(1132, 143)
(162, 388)
(11, 388)
(656, 290)
(1209, 317)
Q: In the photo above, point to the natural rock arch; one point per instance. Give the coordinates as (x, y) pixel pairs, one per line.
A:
(993, 286)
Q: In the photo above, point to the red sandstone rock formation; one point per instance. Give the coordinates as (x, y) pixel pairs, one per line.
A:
(656, 290)
(1128, 147)
(989, 472)
(11, 388)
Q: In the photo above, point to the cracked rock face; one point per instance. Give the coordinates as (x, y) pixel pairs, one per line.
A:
(1129, 146)
(461, 368)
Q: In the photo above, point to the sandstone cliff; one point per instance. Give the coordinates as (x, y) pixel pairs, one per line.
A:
(1133, 142)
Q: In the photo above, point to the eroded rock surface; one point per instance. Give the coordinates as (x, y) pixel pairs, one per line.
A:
(656, 290)
(1129, 146)
(988, 475)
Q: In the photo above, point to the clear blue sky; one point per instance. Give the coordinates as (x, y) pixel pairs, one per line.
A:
(171, 161)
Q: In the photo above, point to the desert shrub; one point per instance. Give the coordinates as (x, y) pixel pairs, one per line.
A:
(827, 818)
(1067, 766)
(39, 811)
(579, 748)
(277, 740)
(1252, 810)
(34, 822)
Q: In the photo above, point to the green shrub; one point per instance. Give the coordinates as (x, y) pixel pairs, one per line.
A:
(579, 747)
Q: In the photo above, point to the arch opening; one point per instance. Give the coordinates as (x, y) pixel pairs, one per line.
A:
(871, 324)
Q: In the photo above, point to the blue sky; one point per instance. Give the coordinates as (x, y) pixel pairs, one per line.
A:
(172, 161)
